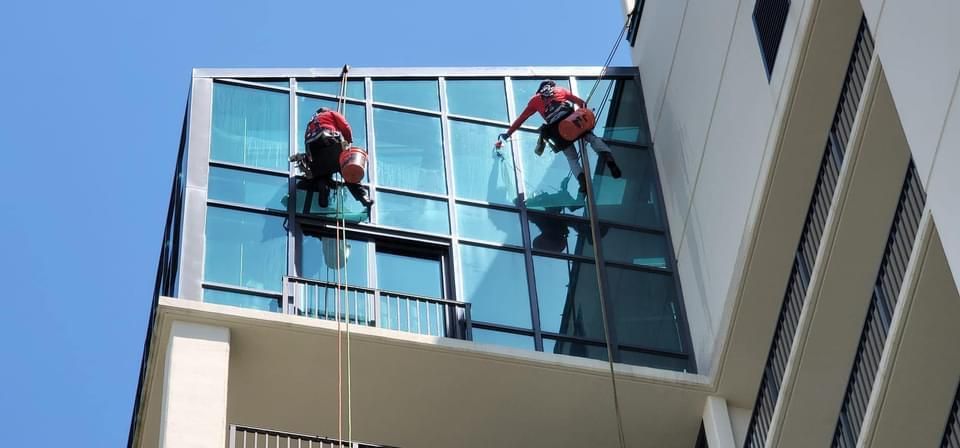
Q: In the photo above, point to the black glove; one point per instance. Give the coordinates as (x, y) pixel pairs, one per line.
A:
(503, 136)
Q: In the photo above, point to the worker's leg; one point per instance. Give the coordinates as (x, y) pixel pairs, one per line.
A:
(573, 159)
(602, 150)
(360, 193)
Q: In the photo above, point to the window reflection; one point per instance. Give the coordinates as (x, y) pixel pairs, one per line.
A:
(638, 248)
(549, 183)
(354, 88)
(241, 300)
(575, 348)
(354, 113)
(645, 310)
(523, 89)
(308, 203)
(623, 117)
(245, 249)
(409, 151)
(568, 297)
(481, 98)
(319, 260)
(242, 187)
(495, 282)
(422, 94)
(408, 212)
(489, 224)
(560, 235)
(250, 127)
(482, 173)
(502, 338)
(409, 274)
(634, 198)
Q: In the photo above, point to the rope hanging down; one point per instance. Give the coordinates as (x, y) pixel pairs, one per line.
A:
(340, 230)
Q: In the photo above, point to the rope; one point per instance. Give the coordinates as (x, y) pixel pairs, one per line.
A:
(341, 239)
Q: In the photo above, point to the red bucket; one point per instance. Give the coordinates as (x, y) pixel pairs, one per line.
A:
(353, 165)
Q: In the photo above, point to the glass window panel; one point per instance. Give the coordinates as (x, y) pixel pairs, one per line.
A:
(574, 348)
(634, 198)
(505, 339)
(482, 173)
(628, 123)
(482, 98)
(409, 151)
(409, 275)
(556, 234)
(408, 212)
(584, 85)
(245, 249)
(495, 282)
(489, 224)
(241, 300)
(422, 94)
(548, 179)
(638, 358)
(250, 127)
(285, 83)
(352, 210)
(645, 309)
(241, 187)
(639, 248)
(354, 88)
(319, 260)
(568, 297)
(354, 113)
(524, 89)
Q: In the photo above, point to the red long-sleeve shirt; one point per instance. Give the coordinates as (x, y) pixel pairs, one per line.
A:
(537, 104)
(335, 121)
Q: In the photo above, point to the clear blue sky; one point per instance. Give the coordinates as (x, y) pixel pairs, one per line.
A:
(93, 98)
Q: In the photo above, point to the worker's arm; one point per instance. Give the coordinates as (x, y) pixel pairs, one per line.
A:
(576, 100)
(530, 110)
(344, 127)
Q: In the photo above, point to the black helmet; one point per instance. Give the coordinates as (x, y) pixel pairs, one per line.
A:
(546, 88)
(322, 110)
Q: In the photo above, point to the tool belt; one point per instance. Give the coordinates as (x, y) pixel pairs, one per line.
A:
(556, 111)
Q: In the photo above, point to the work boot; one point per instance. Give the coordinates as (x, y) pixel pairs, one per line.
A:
(607, 158)
(541, 144)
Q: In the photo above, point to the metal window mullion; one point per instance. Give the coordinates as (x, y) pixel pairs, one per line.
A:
(457, 287)
(294, 236)
(371, 145)
(525, 223)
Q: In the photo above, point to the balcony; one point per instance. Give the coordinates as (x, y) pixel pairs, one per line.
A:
(377, 308)
(248, 437)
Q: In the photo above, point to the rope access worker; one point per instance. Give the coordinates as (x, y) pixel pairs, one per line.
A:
(327, 135)
(554, 104)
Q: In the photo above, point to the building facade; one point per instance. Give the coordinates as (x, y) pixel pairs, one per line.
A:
(773, 268)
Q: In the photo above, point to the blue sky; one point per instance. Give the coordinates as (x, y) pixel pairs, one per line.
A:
(93, 98)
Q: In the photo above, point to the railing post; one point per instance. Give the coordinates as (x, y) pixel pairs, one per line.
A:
(233, 436)
(469, 322)
(376, 309)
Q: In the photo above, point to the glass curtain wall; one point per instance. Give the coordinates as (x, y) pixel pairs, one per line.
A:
(515, 228)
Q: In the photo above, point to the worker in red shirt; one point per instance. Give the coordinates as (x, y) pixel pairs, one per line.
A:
(327, 135)
(554, 104)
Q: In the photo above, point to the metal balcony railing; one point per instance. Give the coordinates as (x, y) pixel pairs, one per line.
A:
(951, 435)
(248, 437)
(813, 228)
(873, 337)
(377, 308)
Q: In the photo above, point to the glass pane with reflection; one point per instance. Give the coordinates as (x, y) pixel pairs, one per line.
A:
(250, 127)
(575, 348)
(502, 338)
(354, 88)
(495, 282)
(481, 98)
(319, 260)
(409, 151)
(421, 94)
(633, 198)
(245, 249)
(637, 248)
(548, 178)
(243, 187)
(488, 224)
(645, 309)
(568, 297)
(560, 235)
(408, 212)
(482, 173)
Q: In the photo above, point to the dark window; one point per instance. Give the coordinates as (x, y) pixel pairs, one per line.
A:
(769, 16)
